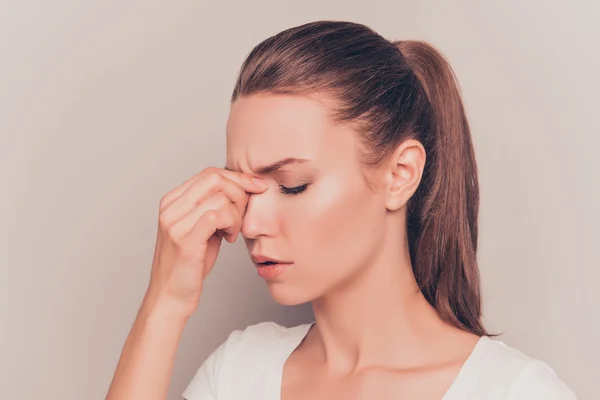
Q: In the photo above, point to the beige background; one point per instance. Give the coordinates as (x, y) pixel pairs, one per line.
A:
(106, 105)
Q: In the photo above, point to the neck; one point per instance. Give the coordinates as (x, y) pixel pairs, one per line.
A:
(377, 317)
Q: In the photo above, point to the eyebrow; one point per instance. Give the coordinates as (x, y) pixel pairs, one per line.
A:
(269, 169)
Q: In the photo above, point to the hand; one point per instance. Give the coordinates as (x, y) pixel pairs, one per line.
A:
(193, 220)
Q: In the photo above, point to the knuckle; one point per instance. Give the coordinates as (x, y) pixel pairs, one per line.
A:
(211, 171)
(166, 200)
(163, 201)
(214, 179)
(211, 216)
(173, 233)
(164, 220)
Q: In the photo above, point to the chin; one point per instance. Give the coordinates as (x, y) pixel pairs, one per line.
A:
(287, 295)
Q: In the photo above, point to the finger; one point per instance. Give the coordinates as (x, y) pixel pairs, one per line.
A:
(249, 183)
(174, 194)
(218, 202)
(204, 190)
(201, 189)
(214, 183)
(213, 175)
(212, 221)
(246, 181)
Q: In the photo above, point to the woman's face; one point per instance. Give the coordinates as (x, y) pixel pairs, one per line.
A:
(318, 214)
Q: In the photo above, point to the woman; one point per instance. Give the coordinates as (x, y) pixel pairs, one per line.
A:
(351, 176)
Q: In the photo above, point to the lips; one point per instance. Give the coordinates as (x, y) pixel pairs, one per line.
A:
(260, 259)
(270, 268)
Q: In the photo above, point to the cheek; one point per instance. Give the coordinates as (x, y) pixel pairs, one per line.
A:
(334, 224)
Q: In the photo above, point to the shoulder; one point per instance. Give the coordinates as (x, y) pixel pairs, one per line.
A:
(261, 341)
(508, 370)
(242, 357)
(537, 380)
(264, 335)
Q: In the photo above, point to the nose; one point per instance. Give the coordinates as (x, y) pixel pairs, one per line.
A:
(260, 218)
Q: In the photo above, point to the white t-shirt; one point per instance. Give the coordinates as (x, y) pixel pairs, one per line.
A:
(249, 366)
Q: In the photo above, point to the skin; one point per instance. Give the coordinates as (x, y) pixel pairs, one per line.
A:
(374, 332)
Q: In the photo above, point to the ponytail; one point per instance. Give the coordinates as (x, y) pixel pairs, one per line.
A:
(442, 220)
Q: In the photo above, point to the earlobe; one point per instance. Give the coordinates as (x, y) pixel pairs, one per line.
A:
(404, 173)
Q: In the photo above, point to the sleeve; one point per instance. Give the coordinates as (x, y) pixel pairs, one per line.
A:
(206, 383)
(538, 381)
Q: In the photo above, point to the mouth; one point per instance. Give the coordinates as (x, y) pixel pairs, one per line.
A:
(269, 268)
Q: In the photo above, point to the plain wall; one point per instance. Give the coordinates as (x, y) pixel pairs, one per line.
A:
(105, 106)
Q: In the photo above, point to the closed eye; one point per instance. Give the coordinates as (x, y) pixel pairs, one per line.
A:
(294, 190)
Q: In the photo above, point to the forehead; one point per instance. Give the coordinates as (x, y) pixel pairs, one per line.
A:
(267, 127)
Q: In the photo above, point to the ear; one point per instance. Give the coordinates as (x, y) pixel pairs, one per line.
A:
(403, 173)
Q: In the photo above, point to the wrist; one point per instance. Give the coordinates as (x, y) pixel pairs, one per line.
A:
(165, 308)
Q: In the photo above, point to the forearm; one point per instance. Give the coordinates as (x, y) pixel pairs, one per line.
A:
(146, 363)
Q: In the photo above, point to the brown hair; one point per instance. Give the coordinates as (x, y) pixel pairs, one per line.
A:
(393, 91)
